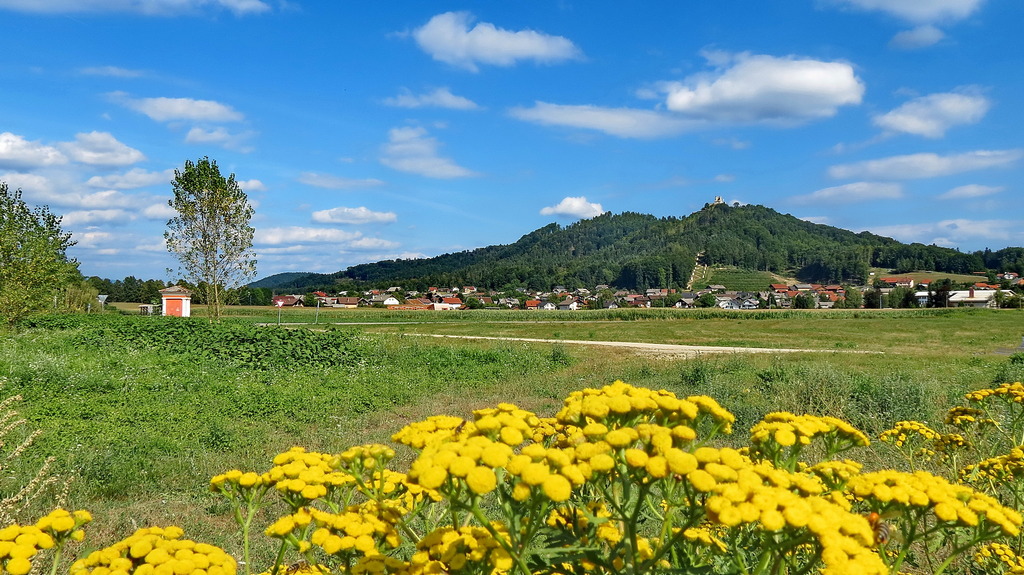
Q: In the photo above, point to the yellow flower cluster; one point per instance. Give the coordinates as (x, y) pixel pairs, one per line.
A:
(960, 416)
(365, 456)
(448, 550)
(999, 557)
(622, 403)
(508, 424)
(786, 429)
(705, 537)
(904, 430)
(471, 460)
(1000, 468)
(949, 502)
(434, 429)
(156, 551)
(357, 530)
(302, 476)
(20, 543)
(776, 500)
(1011, 392)
(835, 473)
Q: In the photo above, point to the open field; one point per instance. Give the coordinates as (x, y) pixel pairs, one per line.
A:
(144, 427)
(934, 276)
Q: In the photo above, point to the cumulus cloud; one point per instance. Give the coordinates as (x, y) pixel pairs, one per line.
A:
(18, 153)
(930, 116)
(438, 98)
(955, 232)
(101, 149)
(298, 234)
(448, 38)
(971, 191)
(222, 137)
(134, 178)
(852, 193)
(111, 71)
(915, 38)
(372, 244)
(147, 8)
(87, 217)
(160, 211)
(817, 219)
(337, 182)
(92, 238)
(251, 185)
(411, 150)
(917, 166)
(621, 122)
(577, 207)
(919, 11)
(171, 109)
(360, 215)
(760, 88)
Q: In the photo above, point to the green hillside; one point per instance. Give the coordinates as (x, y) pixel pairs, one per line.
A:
(636, 251)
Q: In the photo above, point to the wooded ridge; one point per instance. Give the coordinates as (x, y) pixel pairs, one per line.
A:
(636, 251)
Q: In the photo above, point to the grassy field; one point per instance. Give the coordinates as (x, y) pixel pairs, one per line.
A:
(144, 427)
(934, 276)
(742, 280)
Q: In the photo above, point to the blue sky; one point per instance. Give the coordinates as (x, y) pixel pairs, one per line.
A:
(364, 131)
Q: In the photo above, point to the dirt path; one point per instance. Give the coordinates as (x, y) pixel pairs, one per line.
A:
(654, 349)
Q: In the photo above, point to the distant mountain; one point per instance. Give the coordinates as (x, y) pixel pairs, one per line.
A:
(633, 251)
(280, 280)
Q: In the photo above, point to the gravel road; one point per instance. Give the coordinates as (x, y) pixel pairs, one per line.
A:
(656, 349)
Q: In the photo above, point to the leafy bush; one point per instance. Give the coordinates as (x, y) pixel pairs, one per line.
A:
(235, 343)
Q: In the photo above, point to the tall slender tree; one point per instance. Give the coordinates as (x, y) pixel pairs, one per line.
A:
(211, 235)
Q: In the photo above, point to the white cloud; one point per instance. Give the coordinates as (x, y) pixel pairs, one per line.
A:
(360, 215)
(134, 178)
(971, 191)
(147, 8)
(448, 38)
(86, 217)
(852, 193)
(31, 184)
(816, 219)
(922, 11)
(411, 150)
(297, 234)
(336, 182)
(92, 238)
(170, 109)
(251, 185)
(920, 37)
(18, 153)
(221, 137)
(930, 116)
(916, 166)
(112, 71)
(439, 98)
(101, 149)
(160, 211)
(577, 207)
(621, 122)
(372, 244)
(760, 88)
(957, 231)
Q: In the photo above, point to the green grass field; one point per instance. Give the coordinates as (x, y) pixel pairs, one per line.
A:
(742, 280)
(144, 428)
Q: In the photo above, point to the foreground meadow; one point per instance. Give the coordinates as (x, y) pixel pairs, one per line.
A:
(143, 419)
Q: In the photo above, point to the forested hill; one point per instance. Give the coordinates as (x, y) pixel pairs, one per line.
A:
(633, 251)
